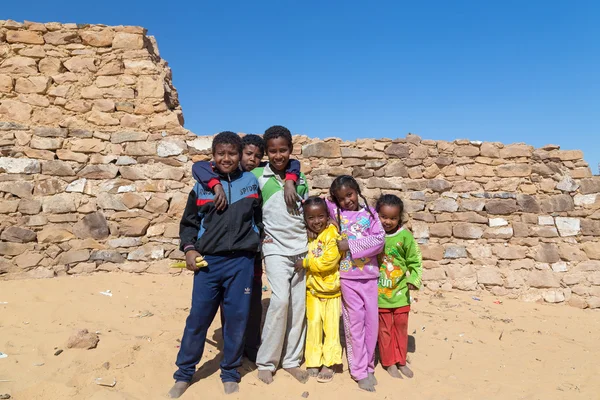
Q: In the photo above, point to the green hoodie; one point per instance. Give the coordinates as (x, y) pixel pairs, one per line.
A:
(399, 264)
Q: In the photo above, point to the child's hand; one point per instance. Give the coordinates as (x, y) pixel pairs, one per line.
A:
(343, 245)
(411, 286)
(290, 196)
(311, 234)
(299, 265)
(220, 197)
(190, 260)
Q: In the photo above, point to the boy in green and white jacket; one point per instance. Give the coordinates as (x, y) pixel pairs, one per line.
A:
(400, 267)
(284, 243)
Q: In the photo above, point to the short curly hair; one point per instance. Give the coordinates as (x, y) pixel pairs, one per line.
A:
(254, 140)
(227, 137)
(277, 131)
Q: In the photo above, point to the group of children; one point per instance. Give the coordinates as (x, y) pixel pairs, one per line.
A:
(324, 258)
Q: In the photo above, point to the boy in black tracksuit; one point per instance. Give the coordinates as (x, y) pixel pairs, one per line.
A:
(228, 240)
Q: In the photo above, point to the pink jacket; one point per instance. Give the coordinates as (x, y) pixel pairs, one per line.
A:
(366, 239)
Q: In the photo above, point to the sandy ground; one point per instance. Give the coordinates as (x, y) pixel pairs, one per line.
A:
(462, 348)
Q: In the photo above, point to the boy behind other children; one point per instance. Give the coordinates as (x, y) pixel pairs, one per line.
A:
(229, 248)
(285, 242)
(253, 151)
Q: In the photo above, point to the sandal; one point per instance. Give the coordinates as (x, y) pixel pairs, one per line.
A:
(321, 379)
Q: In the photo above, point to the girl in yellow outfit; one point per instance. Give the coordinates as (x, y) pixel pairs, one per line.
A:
(323, 301)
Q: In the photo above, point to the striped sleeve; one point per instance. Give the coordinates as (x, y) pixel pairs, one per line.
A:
(370, 245)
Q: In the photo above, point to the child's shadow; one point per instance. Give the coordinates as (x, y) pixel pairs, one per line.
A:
(213, 365)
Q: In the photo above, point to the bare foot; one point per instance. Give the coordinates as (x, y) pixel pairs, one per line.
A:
(300, 374)
(231, 387)
(393, 371)
(366, 384)
(407, 372)
(266, 376)
(373, 379)
(178, 389)
(312, 372)
(325, 375)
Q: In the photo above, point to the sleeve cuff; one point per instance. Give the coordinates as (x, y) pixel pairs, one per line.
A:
(213, 182)
(415, 282)
(188, 247)
(291, 177)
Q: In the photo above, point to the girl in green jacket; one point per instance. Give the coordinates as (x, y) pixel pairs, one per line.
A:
(399, 273)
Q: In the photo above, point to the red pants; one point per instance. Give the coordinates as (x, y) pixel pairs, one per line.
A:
(393, 335)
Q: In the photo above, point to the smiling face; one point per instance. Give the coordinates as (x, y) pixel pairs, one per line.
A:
(347, 198)
(251, 157)
(390, 217)
(316, 217)
(278, 151)
(226, 157)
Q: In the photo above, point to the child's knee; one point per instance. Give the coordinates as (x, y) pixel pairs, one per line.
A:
(279, 304)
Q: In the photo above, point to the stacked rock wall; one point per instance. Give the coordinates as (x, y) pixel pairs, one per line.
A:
(80, 196)
(79, 76)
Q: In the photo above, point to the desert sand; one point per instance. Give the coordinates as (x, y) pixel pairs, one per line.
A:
(462, 348)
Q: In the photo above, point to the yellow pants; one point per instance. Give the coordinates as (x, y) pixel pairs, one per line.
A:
(323, 319)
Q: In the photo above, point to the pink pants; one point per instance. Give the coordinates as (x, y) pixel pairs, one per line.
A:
(361, 318)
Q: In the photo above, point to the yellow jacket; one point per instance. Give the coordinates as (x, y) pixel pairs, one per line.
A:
(322, 264)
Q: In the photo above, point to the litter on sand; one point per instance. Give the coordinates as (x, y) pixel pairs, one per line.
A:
(476, 298)
(107, 293)
(497, 302)
(103, 382)
(2, 355)
(143, 314)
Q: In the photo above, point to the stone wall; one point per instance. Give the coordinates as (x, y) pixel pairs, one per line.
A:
(77, 76)
(78, 196)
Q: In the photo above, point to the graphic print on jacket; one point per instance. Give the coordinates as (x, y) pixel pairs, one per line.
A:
(234, 229)
(365, 237)
(400, 264)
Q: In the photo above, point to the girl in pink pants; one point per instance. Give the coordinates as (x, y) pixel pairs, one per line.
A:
(362, 240)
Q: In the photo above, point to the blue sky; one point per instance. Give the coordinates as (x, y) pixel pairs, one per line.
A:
(509, 71)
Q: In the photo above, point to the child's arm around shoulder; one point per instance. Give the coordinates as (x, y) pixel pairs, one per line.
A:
(414, 260)
(203, 173)
(330, 259)
(371, 244)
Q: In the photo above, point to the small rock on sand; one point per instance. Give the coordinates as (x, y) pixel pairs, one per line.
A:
(83, 339)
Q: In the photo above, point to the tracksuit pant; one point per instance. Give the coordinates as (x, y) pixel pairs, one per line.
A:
(226, 279)
(252, 342)
(322, 319)
(360, 316)
(284, 330)
(393, 335)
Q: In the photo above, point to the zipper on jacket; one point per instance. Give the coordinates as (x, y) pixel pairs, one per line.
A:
(229, 203)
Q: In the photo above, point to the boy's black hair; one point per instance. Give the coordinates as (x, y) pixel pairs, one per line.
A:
(277, 131)
(349, 181)
(390, 200)
(315, 201)
(254, 140)
(227, 137)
